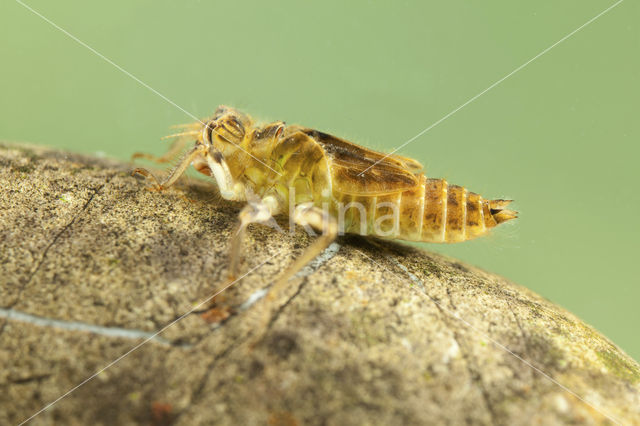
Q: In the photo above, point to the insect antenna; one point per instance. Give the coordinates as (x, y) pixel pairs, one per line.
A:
(174, 135)
(186, 126)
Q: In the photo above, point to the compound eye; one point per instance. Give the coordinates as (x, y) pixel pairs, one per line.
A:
(231, 129)
(272, 131)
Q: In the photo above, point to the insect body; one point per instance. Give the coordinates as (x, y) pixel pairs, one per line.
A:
(327, 183)
(398, 200)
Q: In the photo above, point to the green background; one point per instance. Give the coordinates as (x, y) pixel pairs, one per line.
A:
(560, 136)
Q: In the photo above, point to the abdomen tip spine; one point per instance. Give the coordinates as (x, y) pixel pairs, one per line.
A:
(499, 213)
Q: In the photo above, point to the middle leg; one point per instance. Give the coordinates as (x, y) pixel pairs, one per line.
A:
(256, 211)
(322, 222)
(261, 211)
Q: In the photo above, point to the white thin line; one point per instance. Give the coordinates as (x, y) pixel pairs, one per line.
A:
(132, 76)
(498, 344)
(144, 342)
(309, 269)
(116, 332)
(494, 85)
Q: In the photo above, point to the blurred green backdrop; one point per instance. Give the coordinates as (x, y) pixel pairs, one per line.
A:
(560, 136)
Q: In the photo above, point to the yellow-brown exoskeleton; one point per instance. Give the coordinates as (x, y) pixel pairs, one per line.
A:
(326, 183)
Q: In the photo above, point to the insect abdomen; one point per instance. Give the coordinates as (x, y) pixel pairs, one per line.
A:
(436, 212)
(453, 214)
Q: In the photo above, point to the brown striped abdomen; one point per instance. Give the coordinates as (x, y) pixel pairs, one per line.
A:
(434, 212)
(453, 214)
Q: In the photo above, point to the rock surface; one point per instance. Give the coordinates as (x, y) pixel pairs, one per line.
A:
(92, 266)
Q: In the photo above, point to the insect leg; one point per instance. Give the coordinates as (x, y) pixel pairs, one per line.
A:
(175, 173)
(260, 211)
(256, 211)
(176, 147)
(322, 222)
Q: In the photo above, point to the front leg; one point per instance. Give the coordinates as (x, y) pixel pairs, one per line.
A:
(176, 147)
(176, 172)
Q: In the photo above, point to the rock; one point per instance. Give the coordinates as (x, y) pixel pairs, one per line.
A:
(372, 332)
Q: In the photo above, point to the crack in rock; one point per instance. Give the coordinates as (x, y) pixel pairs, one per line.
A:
(53, 241)
(309, 269)
(474, 373)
